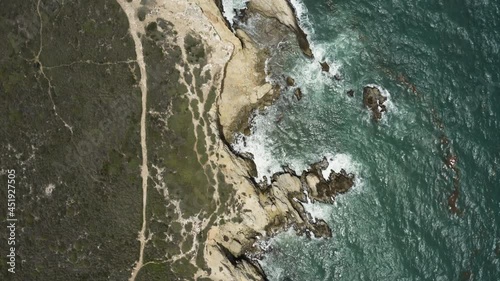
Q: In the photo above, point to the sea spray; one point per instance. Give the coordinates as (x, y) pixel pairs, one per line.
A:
(230, 6)
(301, 261)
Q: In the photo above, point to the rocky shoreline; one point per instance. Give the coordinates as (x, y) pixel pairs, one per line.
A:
(264, 208)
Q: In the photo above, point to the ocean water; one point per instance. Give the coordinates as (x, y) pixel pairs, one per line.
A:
(439, 63)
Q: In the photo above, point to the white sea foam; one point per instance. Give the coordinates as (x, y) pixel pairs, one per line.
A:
(256, 144)
(267, 73)
(321, 51)
(267, 163)
(302, 16)
(229, 6)
(318, 211)
(340, 161)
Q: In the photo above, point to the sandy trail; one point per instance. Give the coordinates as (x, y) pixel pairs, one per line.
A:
(135, 29)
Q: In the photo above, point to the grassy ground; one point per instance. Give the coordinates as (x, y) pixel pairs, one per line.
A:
(69, 121)
(173, 146)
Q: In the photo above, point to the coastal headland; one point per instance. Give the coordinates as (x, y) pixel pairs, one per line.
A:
(120, 119)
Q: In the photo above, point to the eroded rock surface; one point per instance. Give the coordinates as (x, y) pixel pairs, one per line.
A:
(280, 206)
(283, 11)
(374, 100)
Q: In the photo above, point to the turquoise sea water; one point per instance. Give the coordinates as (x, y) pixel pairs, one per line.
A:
(439, 62)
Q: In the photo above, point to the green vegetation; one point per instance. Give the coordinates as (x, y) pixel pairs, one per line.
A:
(157, 272)
(141, 14)
(86, 228)
(71, 121)
(195, 49)
(174, 149)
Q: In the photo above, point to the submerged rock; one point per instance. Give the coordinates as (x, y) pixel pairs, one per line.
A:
(298, 93)
(324, 66)
(451, 161)
(444, 140)
(374, 100)
(319, 166)
(350, 93)
(304, 43)
(452, 202)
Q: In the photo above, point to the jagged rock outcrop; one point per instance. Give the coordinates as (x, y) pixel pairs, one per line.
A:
(283, 11)
(324, 66)
(277, 206)
(374, 100)
(262, 209)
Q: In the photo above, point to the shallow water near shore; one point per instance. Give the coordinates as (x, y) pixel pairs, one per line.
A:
(440, 65)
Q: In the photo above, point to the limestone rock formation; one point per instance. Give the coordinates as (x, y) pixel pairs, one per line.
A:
(283, 11)
(245, 87)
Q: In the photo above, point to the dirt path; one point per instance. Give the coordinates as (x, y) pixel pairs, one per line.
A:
(135, 29)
